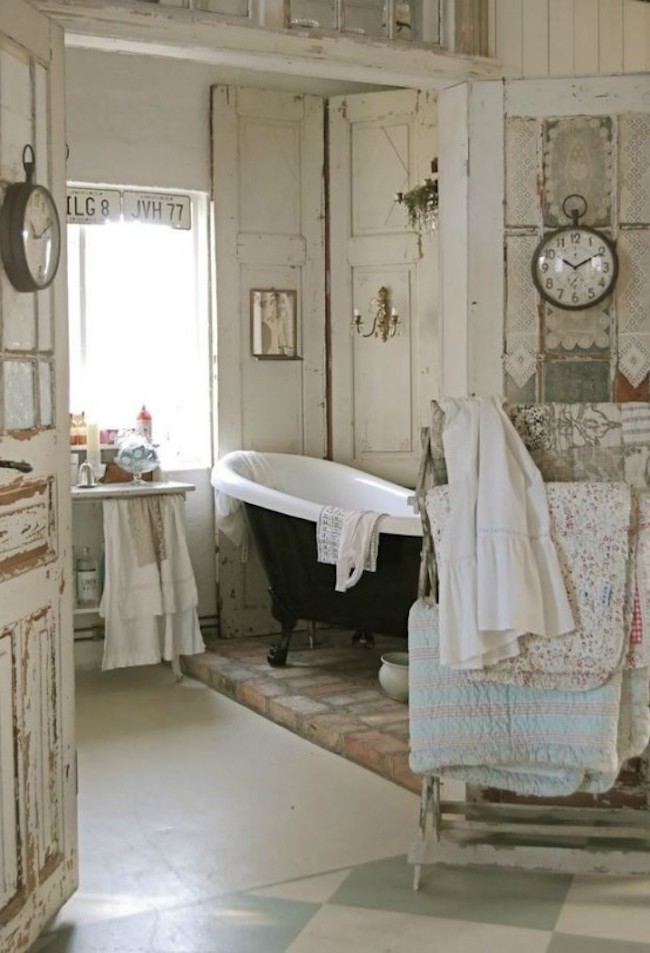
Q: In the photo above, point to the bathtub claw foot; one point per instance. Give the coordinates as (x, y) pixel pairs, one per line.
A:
(277, 655)
(363, 638)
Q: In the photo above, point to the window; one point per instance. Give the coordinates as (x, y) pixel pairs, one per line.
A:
(139, 331)
(392, 19)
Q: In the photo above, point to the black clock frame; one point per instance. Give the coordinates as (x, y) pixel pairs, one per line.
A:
(12, 226)
(568, 229)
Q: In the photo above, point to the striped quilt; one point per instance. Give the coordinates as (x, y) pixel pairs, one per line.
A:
(533, 741)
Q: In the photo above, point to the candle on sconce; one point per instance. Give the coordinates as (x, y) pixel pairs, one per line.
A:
(93, 454)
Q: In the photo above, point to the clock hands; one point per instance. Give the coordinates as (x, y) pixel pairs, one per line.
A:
(46, 228)
(580, 263)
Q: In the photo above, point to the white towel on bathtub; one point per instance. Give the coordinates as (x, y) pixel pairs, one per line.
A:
(229, 511)
(349, 540)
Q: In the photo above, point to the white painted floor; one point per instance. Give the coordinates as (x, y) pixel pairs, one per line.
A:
(205, 828)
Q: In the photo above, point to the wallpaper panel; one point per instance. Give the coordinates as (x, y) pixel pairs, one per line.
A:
(596, 171)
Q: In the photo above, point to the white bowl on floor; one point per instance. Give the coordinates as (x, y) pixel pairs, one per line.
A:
(394, 675)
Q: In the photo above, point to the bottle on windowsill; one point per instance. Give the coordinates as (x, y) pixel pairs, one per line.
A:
(143, 423)
(78, 429)
(87, 579)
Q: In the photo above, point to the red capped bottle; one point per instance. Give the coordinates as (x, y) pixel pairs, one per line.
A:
(143, 423)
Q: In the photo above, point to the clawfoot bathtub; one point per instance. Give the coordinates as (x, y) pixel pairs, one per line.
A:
(278, 498)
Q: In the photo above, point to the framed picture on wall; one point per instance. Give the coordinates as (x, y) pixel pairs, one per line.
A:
(274, 324)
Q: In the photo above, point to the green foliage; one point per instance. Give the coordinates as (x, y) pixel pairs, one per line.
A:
(421, 204)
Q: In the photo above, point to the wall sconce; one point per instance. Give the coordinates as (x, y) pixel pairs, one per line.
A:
(384, 318)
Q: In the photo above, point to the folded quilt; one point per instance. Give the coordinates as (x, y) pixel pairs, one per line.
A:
(580, 441)
(531, 741)
(638, 654)
(349, 540)
(590, 526)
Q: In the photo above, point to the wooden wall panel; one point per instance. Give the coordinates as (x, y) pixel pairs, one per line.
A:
(453, 124)
(561, 37)
(610, 36)
(569, 37)
(9, 828)
(535, 39)
(635, 35)
(382, 424)
(42, 727)
(381, 144)
(268, 226)
(508, 35)
(27, 526)
(585, 36)
(269, 152)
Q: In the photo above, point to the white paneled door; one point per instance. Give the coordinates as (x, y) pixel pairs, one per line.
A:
(381, 144)
(269, 233)
(38, 855)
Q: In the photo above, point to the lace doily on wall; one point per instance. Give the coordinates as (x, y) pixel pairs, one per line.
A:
(578, 159)
(585, 330)
(520, 359)
(633, 304)
(633, 290)
(634, 357)
(522, 165)
(521, 297)
(634, 168)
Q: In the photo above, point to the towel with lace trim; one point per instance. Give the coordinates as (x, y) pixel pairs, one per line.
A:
(349, 540)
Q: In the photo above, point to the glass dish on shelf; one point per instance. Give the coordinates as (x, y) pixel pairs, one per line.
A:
(137, 456)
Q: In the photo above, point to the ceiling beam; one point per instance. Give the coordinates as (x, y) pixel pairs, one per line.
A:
(151, 29)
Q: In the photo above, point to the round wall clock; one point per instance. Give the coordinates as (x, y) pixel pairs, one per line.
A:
(575, 267)
(30, 232)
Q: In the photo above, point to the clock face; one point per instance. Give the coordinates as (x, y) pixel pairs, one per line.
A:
(575, 267)
(41, 236)
(30, 237)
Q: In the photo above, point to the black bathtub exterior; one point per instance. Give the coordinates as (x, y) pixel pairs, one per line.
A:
(302, 588)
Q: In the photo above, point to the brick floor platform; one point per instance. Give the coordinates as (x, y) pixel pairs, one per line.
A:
(328, 694)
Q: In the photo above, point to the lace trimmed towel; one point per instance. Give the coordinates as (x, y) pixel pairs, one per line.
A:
(150, 599)
(590, 526)
(349, 540)
(499, 573)
(532, 741)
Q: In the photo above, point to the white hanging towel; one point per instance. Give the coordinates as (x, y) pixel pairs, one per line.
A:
(229, 511)
(348, 539)
(499, 573)
(150, 598)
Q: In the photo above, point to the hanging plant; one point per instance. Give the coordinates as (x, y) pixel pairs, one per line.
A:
(421, 202)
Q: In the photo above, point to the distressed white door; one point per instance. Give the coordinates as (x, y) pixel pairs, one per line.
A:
(38, 855)
(380, 144)
(268, 225)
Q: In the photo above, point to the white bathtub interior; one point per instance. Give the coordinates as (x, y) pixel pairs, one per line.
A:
(300, 486)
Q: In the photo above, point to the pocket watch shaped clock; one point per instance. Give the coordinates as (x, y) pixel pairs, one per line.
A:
(30, 232)
(575, 267)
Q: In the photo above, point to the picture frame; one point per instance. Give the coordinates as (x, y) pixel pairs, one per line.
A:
(274, 324)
